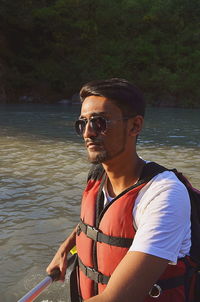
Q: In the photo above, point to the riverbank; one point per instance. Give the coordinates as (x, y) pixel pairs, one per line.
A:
(29, 99)
(47, 96)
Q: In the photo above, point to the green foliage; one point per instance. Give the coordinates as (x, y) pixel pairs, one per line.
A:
(61, 44)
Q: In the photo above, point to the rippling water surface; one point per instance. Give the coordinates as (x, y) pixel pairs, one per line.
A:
(43, 168)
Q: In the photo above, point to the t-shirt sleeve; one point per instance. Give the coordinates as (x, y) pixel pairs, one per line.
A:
(162, 216)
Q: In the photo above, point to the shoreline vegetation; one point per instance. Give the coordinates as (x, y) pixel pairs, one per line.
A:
(48, 49)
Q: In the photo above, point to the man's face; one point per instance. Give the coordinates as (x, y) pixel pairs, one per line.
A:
(103, 146)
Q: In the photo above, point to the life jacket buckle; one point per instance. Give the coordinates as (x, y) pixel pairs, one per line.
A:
(155, 291)
(92, 233)
(78, 230)
(92, 274)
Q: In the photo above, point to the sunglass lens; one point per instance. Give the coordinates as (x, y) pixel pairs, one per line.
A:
(98, 124)
(80, 127)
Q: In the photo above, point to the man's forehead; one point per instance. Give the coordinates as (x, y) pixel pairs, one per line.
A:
(95, 105)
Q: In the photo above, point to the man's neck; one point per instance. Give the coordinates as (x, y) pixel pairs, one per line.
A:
(121, 176)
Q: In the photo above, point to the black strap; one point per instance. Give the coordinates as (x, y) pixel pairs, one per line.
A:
(92, 274)
(197, 287)
(97, 236)
(98, 209)
(103, 279)
(166, 284)
(100, 201)
(73, 288)
(171, 282)
(150, 170)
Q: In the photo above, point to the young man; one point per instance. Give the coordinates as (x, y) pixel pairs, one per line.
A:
(133, 234)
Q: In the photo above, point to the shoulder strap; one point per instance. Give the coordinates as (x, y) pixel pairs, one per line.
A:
(150, 170)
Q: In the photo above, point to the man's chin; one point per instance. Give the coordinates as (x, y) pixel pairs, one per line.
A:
(97, 158)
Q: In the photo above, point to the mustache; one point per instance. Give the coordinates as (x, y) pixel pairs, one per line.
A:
(93, 140)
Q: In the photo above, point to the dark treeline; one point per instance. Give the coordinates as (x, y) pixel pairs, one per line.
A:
(48, 48)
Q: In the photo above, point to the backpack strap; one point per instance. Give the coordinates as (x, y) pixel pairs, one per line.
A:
(150, 170)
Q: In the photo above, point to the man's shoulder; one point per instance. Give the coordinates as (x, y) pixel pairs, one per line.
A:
(167, 178)
(166, 183)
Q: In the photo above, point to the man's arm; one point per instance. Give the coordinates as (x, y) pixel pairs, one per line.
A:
(132, 279)
(60, 259)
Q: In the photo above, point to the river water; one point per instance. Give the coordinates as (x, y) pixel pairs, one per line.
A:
(43, 169)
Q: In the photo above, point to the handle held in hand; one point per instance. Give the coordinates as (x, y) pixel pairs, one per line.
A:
(38, 289)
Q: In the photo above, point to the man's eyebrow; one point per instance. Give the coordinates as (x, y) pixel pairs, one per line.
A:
(95, 114)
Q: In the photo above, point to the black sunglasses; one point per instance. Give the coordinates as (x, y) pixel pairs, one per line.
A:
(98, 123)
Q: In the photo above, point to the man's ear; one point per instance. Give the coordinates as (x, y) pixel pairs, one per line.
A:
(136, 124)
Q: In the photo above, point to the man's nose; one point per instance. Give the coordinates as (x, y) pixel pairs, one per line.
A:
(89, 131)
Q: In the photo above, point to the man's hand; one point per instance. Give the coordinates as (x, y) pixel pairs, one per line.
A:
(60, 259)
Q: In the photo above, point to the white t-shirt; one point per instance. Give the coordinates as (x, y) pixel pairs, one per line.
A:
(161, 218)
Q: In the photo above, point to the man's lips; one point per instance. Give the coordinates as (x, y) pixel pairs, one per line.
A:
(93, 144)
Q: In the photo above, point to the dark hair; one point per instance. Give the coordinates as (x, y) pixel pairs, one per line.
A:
(121, 92)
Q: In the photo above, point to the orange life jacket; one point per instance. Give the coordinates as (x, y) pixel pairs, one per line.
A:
(104, 237)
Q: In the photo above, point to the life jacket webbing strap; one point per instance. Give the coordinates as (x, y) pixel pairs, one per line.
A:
(98, 277)
(171, 282)
(94, 234)
(92, 274)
